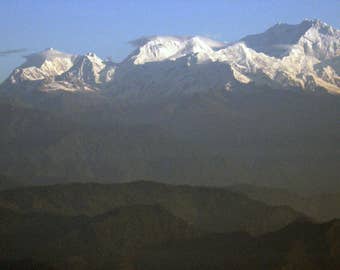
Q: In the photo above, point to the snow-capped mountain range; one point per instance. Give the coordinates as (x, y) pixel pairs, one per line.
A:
(305, 56)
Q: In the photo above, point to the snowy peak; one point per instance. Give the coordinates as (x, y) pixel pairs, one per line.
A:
(50, 54)
(54, 70)
(321, 41)
(50, 60)
(302, 56)
(43, 65)
(160, 48)
(86, 69)
(321, 26)
(278, 40)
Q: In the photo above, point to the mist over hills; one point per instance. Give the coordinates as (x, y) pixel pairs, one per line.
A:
(242, 139)
(145, 225)
(207, 209)
(321, 207)
(271, 138)
(191, 153)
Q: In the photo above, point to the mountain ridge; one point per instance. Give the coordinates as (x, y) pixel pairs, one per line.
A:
(285, 56)
(206, 208)
(140, 236)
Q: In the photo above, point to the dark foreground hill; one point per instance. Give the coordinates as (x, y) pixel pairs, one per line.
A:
(300, 246)
(148, 237)
(8, 182)
(148, 226)
(208, 209)
(83, 242)
(322, 207)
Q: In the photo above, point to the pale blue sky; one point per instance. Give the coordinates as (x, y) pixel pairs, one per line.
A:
(106, 27)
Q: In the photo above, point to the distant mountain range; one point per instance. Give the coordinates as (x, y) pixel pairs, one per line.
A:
(186, 110)
(145, 225)
(303, 56)
(242, 137)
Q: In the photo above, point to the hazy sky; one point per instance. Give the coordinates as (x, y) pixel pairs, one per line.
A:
(105, 27)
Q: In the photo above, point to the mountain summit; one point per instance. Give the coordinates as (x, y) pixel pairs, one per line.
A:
(39, 66)
(303, 56)
(160, 48)
(279, 40)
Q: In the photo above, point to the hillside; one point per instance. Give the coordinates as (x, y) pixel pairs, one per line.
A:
(149, 237)
(207, 209)
(322, 207)
(87, 242)
(301, 245)
(285, 140)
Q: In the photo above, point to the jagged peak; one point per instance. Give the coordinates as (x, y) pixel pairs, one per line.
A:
(284, 50)
(278, 39)
(93, 58)
(306, 24)
(314, 21)
(322, 27)
(92, 55)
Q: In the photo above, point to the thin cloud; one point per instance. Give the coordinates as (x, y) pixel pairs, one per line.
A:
(144, 39)
(139, 41)
(13, 51)
(283, 46)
